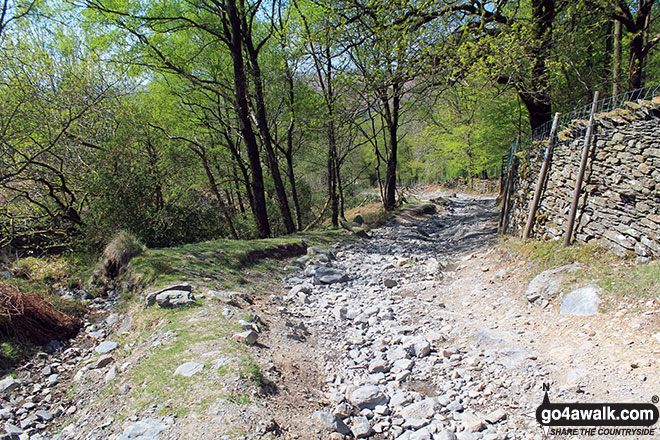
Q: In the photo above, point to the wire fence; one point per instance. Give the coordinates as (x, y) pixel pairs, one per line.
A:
(512, 151)
(603, 105)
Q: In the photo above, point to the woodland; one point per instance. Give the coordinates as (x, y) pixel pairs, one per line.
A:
(187, 120)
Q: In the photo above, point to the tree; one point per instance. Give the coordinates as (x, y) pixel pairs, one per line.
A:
(387, 54)
(289, 55)
(637, 20)
(228, 28)
(54, 98)
(467, 130)
(319, 42)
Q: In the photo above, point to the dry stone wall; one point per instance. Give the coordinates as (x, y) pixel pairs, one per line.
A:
(620, 203)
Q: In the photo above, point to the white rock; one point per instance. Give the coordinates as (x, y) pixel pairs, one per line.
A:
(8, 384)
(189, 369)
(340, 313)
(402, 364)
(582, 301)
(420, 346)
(106, 347)
(377, 366)
(111, 374)
(367, 396)
(328, 422)
(421, 434)
(361, 427)
(424, 409)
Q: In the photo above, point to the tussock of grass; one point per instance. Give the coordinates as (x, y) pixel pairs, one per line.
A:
(251, 371)
(116, 256)
(620, 277)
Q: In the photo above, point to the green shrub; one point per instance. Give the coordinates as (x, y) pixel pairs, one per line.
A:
(41, 269)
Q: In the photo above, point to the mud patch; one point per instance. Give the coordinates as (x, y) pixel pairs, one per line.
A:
(423, 387)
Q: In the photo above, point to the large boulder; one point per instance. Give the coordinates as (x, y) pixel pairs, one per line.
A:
(9, 384)
(175, 298)
(418, 346)
(182, 289)
(188, 369)
(582, 301)
(328, 275)
(146, 429)
(424, 409)
(548, 283)
(248, 337)
(315, 251)
(105, 347)
(328, 422)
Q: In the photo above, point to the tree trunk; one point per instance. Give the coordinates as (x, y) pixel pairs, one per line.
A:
(229, 194)
(392, 120)
(537, 97)
(340, 190)
(267, 142)
(540, 110)
(243, 113)
(241, 206)
(332, 173)
(637, 60)
(639, 46)
(390, 177)
(616, 59)
(244, 171)
(329, 96)
(289, 145)
(639, 49)
(153, 164)
(294, 191)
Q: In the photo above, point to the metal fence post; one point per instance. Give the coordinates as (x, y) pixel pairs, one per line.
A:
(541, 180)
(580, 176)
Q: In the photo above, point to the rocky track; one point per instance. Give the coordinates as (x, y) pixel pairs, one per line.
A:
(392, 366)
(411, 335)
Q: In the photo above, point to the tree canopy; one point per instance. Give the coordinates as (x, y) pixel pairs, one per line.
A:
(184, 121)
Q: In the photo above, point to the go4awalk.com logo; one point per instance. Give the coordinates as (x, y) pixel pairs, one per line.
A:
(597, 419)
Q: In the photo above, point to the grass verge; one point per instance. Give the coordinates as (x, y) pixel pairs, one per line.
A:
(619, 277)
(218, 262)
